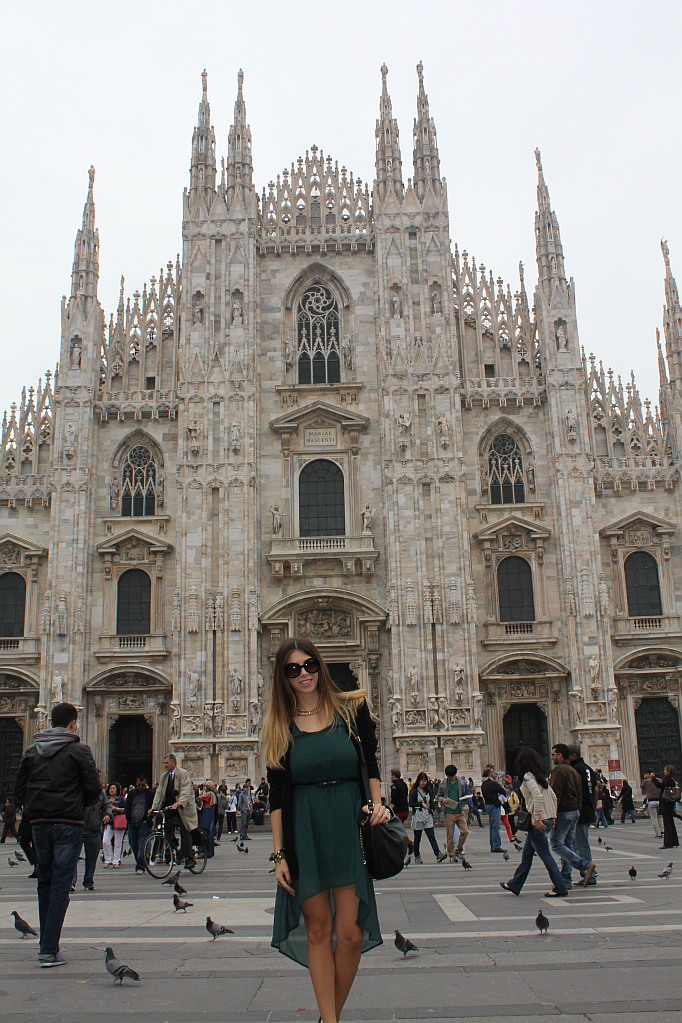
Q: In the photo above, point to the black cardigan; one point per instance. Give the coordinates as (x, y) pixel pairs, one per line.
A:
(282, 790)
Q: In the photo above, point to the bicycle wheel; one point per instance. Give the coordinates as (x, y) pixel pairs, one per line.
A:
(200, 859)
(158, 856)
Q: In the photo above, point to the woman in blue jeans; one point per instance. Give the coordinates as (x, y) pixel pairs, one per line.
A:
(541, 805)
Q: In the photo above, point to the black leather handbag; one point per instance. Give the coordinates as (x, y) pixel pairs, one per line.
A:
(384, 846)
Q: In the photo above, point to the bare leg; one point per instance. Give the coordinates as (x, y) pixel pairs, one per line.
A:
(348, 943)
(317, 913)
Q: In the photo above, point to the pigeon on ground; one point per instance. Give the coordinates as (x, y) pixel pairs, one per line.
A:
(599, 840)
(22, 926)
(541, 922)
(670, 866)
(505, 855)
(216, 929)
(242, 848)
(179, 890)
(666, 873)
(20, 856)
(117, 969)
(632, 872)
(518, 846)
(404, 944)
(609, 848)
(173, 879)
(12, 863)
(465, 863)
(407, 861)
(179, 904)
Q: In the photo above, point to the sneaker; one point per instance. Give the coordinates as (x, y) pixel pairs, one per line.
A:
(89, 887)
(453, 859)
(418, 859)
(73, 887)
(54, 960)
(441, 857)
(496, 850)
(588, 874)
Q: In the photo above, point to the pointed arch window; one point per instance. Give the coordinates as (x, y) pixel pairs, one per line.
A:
(642, 586)
(505, 471)
(138, 482)
(318, 337)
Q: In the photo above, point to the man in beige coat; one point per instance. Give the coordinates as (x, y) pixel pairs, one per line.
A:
(176, 792)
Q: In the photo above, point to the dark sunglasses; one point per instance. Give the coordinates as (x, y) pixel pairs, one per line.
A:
(293, 670)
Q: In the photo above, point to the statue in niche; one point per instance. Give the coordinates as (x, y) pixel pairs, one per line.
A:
(603, 596)
(236, 685)
(561, 338)
(237, 318)
(443, 429)
(389, 683)
(477, 701)
(288, 353)
(415, 680)
(276, 520)
(612, 701)
(571, 426)
(254, 717)
(260, 685)
(434, 719)
(436, 303)
(347, 349)
(367, 515)
(235, 438)
(395, 306)
(396, 708)
(198, 312)
(404, 423)
(76, 354)
(193, 680)
(458, 672)
(576, 698)
(595, 669)
(69, 441)
(57, 688)
(113, 494)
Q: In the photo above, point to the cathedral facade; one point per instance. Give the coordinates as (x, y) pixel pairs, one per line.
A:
(322, 421)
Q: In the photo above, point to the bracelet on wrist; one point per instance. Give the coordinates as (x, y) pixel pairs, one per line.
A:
(277, 856)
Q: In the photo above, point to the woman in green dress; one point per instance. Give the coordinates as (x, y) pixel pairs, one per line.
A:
(313, 736)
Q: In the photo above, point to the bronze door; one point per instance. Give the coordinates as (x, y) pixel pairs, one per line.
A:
(658, 735)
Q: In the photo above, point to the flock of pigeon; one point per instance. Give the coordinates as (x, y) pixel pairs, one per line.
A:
(119, 970)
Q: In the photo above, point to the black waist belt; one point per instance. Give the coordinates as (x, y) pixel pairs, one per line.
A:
(337, 781)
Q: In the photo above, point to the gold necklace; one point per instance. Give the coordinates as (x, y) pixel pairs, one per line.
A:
(307, 713)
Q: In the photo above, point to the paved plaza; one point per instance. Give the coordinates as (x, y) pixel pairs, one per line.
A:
(612, 951)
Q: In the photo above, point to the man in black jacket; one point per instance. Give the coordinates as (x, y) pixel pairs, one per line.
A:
(56, 780)
(588, 813)
(491, 792)
(138, 804)
(398, 797)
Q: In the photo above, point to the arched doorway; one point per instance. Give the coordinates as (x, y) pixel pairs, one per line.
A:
(658, 735)
(11, 747)
(131, 742)
(524, 724)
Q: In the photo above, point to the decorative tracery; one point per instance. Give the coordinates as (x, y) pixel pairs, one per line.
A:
(318, 337)
(138, 482)
(505, 471)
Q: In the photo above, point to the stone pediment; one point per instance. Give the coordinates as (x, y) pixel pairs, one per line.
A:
(510, 524)
(662, 527)
(116, 680)
(134, 545)
(14, 548)
(319, 412)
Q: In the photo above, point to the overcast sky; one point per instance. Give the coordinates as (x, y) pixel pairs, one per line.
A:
(596, 86)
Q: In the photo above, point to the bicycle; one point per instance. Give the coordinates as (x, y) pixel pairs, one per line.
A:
(160, 854)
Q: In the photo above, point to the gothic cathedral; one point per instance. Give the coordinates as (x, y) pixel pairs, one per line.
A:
(322, 421)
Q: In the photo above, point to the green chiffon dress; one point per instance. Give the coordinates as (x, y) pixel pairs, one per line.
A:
(326, 838)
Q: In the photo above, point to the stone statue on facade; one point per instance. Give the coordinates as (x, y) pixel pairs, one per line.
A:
(595, 670)
(347, 349)
(603, 596)
(443, 430)
(276, 520)
(193, 682)
(367, 515)
(477, 703)
(236, 686)
(571, 426)
(396, 708)
(260, 686)
(576, 698)
(255, 717)
(434, 718)
(415, 680)
(436, 303)
(237, 317)
(235, 438)
(57, 689)
(198, 312)
(561, 338)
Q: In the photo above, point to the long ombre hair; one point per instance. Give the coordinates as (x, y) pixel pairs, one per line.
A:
(280, 714)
